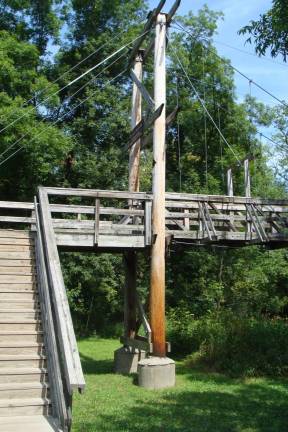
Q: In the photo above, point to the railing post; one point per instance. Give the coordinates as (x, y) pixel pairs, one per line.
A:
(247, 182)
(97, 221)
(147, 222)
(230, 191)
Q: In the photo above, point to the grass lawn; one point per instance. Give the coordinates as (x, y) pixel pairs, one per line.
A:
(200, 402)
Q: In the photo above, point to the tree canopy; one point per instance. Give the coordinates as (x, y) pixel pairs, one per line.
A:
(270, 32)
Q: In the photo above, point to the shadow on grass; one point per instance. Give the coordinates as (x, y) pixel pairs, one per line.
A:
(92, 366)
(253, 408)
(210, 411)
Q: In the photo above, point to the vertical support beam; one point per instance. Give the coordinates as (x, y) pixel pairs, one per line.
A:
(136, 117)
(247, 182)
(157, 288)
(186, 220)
(130, 257)
(230, 191)
(247, 186)
(147, 222)
(97, 221)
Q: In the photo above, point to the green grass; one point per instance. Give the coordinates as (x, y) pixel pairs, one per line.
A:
(200, 402)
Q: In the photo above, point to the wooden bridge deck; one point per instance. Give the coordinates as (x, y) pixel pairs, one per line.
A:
(116, 220)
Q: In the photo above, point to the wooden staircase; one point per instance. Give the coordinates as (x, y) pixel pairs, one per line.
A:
(24, 383)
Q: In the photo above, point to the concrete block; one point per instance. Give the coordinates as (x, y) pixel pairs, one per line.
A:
(126, 360)
(156, 373)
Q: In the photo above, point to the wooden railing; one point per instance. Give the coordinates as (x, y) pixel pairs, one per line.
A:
(226, 219)
(65, 335)
(104, 219)
(16, 214)
(61, 405)
(114, 219)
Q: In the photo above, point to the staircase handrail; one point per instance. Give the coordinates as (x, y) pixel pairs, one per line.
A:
(60, 408)
(63, 322)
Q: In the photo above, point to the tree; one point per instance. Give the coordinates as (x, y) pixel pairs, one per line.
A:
(270, 32)
(41, 147)
(37, 21)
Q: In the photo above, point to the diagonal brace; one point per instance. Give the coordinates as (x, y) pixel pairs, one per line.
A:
(144, 92)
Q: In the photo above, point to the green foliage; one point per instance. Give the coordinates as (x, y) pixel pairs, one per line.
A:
(94, 290)
(241, 346)
(270, 32)
(230, 343)
(32, 20)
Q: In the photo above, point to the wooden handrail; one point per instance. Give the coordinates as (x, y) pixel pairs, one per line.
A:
(61, 408)
(65, 332)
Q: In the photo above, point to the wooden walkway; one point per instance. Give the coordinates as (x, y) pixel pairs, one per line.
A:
(114, 221)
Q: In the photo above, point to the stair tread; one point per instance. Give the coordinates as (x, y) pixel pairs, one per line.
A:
(24, 402)
(21, 344)
(22, 371)
(6, 290)
(20, 332)
(19, 357)
(6, 273)
(19, 310)
(38, 423)
(22, 386)
(12, 301)
(24, 321)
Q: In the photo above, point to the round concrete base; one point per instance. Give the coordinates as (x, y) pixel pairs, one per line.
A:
(156, 373)
(126, 360)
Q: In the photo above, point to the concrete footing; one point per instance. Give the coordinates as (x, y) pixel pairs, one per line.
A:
(126, 360)
(156, 373)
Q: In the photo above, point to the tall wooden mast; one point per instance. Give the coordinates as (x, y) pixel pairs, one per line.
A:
(130, 257)
(157, 288)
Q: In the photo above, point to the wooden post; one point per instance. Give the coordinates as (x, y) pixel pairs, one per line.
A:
(230, 183)
(136, 117)
(247, 182)
(157, 288)
(130, 257)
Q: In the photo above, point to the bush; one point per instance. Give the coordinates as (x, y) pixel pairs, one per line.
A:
(231, 344)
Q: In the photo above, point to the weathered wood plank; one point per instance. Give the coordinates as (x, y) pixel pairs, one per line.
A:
(73, 209)
(105, 241)
(94, 193)
(17, 219)
(16, 205)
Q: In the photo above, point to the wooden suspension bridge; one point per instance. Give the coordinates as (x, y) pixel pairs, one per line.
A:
(40, 365)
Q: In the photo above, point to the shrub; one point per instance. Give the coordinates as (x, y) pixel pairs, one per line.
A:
(231, 344)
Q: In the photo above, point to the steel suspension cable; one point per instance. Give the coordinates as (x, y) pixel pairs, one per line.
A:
(205, 120)
(178, 138)
(74, 81)
(203, 104)
(74, 67)
(70, 97)
(61, 118)
(234, 68)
